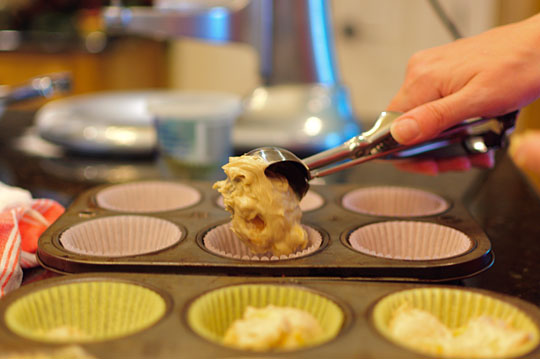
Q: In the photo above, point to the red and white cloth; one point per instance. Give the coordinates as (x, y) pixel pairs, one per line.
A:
(22, 221)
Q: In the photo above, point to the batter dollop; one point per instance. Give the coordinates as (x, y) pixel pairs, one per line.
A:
(481, 337)
(273, 327)
(265, 210)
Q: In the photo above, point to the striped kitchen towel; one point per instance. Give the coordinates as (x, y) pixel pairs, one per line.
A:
(22, 221)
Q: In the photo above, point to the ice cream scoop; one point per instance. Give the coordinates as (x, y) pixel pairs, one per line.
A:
(472, 136)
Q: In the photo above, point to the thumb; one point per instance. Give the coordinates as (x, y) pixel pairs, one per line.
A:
(427, 120)
(525, 150)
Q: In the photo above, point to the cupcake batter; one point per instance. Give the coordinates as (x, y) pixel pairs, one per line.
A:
(480, 337)
(272, 327)
(265, 210)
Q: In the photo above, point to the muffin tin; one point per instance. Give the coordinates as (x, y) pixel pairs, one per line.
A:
(353, 312)
(374, 244)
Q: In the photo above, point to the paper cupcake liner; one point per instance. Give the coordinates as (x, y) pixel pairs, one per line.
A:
(394, 202)
(119, 236)
(85, 312)
(211, 314)
(151, 196)
(409, 240)
(311, 201)
(222, 241)
(454, 308)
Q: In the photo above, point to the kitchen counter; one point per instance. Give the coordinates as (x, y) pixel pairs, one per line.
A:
(501, 200)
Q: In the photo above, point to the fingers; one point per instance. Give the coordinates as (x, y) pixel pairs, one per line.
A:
(425, 167)
(525, 151)
(483, 160)
(427, 120)
(433, 167)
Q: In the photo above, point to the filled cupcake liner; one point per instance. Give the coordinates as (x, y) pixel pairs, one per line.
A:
(221, 240)
(409, 240)
(85, 312)
(392, 201)
(211, 314)
(118, 236)
(311, 201)
(454, 308)
(150, 196)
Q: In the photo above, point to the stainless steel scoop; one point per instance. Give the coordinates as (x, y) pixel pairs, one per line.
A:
(469, 137)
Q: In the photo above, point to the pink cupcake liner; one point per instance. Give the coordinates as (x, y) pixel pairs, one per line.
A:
(311, 201)
(394, 202)
(150, 196)
(222, 241)
(120, 236)
(410, 240)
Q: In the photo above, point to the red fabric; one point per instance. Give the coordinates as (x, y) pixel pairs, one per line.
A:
(20, 229)
(32, 226)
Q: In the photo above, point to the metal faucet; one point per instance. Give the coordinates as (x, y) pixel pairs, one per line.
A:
(294, 40)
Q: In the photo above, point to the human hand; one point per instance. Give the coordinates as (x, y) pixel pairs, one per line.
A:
(487, 75)
(525, 151)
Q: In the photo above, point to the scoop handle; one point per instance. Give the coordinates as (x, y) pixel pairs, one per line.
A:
(469, 137)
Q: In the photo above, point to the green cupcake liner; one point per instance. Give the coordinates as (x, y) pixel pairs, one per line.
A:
(454, 308)
(211, 314)
(85, 312)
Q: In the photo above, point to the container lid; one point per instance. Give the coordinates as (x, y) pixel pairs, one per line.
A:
(206, 106)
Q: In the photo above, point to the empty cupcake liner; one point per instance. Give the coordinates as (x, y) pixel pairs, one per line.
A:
(394, 202)
(222, 241)
(86, 311)
(311, 201)
(409, 240)
(119, 236)
(151, 196)
(211, 314)
(454, 308)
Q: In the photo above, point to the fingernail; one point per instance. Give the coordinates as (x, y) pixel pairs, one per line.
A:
(405, 130)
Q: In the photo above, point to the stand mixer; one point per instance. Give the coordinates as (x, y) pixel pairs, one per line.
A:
(302, 104)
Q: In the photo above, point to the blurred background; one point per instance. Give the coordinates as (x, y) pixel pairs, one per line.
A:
(373, 41)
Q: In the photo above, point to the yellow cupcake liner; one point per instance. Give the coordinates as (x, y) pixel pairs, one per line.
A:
(85, 312)
(211, 314)
(454, 308)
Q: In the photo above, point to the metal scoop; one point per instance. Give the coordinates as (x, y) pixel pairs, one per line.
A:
(469, 137)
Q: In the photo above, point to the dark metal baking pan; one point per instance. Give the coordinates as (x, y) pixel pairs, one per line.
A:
(334, 259)
(172, 337)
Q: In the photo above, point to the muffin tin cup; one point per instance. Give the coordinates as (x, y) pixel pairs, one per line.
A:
(409, 240)
(150, 196)
(119, 236)
(222, 241)
(86, 311)
(392, 201)
(211, 314)
(454, 308)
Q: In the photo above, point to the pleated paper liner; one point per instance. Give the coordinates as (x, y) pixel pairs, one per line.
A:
(85, 312)
(211, 314)
(311, 201)
(454, 308)
(392, 201)
(409, 240)
(222, 241)
(119, 236)
(150, 196)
